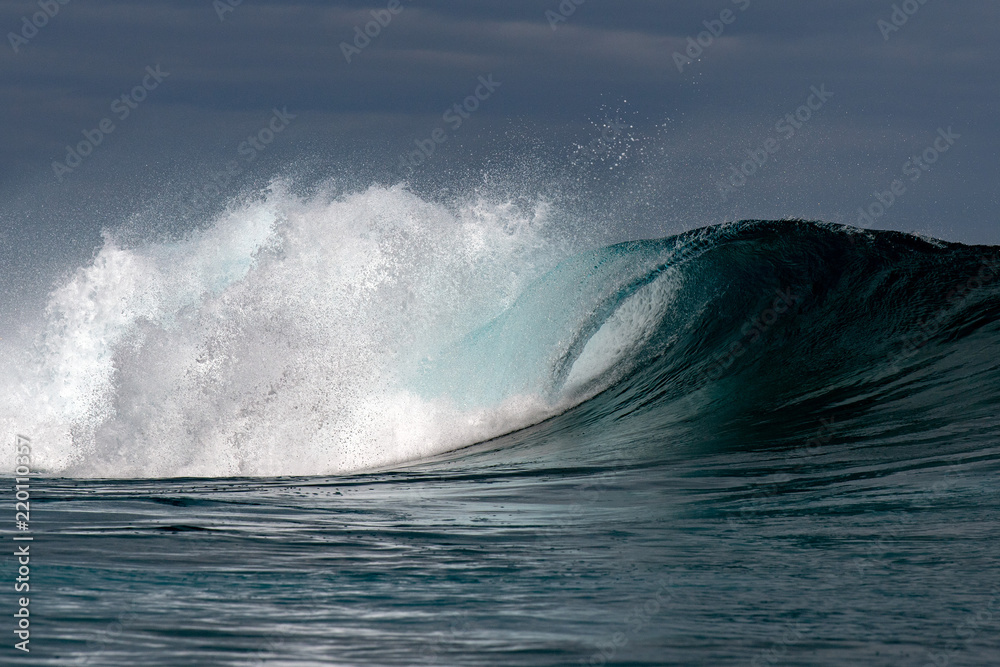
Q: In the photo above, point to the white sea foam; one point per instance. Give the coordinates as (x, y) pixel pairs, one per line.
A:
(301, 336)
(271, 342)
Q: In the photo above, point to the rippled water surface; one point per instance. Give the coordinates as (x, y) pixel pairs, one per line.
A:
(733, 558)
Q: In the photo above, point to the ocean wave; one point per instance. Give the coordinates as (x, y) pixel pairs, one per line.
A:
(310, 336)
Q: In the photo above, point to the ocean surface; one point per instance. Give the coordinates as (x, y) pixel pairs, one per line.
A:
(372, 430)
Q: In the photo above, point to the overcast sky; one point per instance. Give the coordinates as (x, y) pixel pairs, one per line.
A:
(561, 75)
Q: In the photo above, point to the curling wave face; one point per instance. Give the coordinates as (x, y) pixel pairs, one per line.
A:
(313, 336)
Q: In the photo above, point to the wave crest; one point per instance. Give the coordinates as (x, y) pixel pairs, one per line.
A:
(310, 336)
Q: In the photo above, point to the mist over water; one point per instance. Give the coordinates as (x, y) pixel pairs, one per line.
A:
(278, 339)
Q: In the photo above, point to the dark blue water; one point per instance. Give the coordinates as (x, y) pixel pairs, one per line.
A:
(798, 465)
(723, 559)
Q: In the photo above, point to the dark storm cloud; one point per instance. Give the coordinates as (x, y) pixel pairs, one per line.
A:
(227, 75)
(91, 50)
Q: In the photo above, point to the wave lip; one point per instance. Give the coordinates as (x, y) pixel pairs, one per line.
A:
(780, 329)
